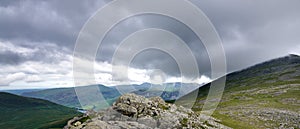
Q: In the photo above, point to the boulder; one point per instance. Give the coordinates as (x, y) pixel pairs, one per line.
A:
(137, 112)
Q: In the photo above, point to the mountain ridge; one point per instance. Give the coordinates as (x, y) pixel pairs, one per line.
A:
(68, 97)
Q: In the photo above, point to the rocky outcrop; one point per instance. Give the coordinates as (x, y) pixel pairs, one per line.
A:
(132, 111)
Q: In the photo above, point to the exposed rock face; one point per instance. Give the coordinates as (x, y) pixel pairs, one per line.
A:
(132, 111)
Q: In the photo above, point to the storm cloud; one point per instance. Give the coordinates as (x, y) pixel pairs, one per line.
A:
(42, 34)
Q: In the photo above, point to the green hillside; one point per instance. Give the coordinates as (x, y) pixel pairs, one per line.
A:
(19, 112)
(263, 96)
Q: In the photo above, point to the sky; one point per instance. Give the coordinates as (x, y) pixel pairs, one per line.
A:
(37, 39)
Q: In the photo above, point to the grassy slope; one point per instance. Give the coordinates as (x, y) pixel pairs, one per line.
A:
(21, 112)
(263, 96)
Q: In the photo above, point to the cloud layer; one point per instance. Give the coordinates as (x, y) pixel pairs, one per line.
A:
(37, 39)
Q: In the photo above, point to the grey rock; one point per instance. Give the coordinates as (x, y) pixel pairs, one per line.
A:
(137, 112)
(148, 121)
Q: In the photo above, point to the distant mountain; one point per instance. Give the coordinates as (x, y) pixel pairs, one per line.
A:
(21, 91)
(167, 91)
(266, 95)
(29, 113)
(68, 97)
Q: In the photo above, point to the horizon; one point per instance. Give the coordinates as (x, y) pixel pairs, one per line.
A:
(201, 84)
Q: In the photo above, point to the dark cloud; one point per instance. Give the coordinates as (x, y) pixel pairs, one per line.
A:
(155, 59)
(39, 21)
(10, 58)
(14, 54)
(251, 31)
(254, 31)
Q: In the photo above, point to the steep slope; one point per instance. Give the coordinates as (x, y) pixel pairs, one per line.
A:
(29, 113)
(266, 95)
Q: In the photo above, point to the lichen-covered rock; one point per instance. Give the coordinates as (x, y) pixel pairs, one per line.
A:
(137, 112)
(139, 106)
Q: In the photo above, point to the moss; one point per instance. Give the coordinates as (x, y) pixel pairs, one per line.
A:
(164, 107)
(184, 122)
(84, 119)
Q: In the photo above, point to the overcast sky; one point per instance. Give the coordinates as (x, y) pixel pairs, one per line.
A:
(37, 39)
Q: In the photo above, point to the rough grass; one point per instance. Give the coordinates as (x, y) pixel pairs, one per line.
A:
(255, 90)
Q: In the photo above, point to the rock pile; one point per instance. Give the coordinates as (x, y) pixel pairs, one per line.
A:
(132, 111)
